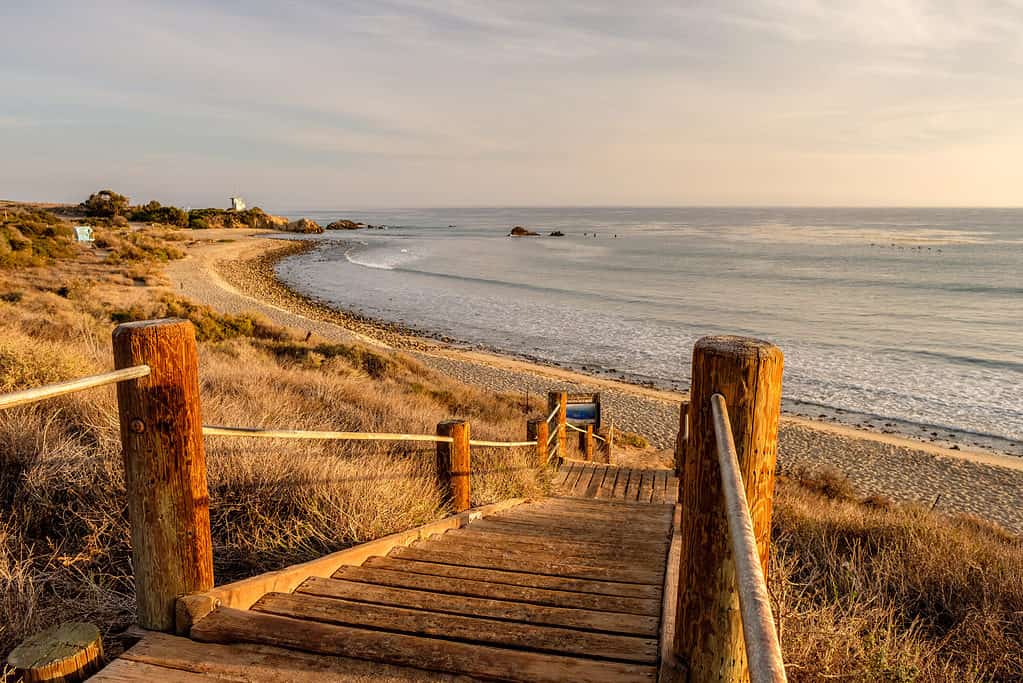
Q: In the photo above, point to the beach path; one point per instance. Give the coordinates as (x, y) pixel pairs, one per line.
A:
(569, 587)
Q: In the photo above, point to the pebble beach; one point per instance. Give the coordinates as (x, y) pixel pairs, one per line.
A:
(234, 273)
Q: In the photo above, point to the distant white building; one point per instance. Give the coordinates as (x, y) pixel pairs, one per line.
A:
(83, 233)
(237, 204)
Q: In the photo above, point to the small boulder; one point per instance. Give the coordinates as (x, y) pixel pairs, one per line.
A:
(557, 233)
(303, 225)
(519, 231)
(344, 224)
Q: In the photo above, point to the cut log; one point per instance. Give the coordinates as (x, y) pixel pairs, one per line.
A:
(67, 653)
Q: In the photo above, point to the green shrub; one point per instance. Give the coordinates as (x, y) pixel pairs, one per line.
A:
(33, 237)
(154, 212)
(210, 325)
(105, 204)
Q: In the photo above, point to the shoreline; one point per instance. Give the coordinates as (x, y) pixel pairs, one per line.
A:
(238, 276)
(258, 274)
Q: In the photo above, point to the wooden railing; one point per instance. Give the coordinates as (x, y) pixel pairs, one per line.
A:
(725, 456)
(763, 651)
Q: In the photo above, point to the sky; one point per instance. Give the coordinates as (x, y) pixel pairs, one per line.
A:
(316, 104)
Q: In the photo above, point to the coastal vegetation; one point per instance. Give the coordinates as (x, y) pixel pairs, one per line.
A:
(863, 589)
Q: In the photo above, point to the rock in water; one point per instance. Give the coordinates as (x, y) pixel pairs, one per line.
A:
(303, 225)
(557, 233)
(519, 231)
(344, 224)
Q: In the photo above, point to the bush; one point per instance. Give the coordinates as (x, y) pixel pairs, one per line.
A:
(210, 325)
(138, 245)
(105, 204)
(33, 237)
(154, 212)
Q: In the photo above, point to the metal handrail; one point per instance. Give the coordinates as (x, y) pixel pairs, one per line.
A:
(763, 651)
(27, 396)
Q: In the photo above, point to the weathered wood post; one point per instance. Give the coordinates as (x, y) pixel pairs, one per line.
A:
(560, 398)
(453, 463)
(539, 431)
(587, 443)
(164, 467)
(67, 653)
(747, 372)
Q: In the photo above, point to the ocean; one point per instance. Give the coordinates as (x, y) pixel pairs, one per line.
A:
(908, 315)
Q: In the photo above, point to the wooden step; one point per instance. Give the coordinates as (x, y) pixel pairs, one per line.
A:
(232, 626)
(534, 637)
(500, 591)
(628, 590)
(451, 603)
(536, 565)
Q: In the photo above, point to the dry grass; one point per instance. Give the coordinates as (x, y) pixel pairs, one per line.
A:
(869, 591)
(64, 550)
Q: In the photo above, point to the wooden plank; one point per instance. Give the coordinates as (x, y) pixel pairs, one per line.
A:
(231, 625)
(635, 480)
(631, 590)
(626, 541)
(537, 545)
(127, 671)
(670, 670)
(660, 486)
(660, 515)
(626, 624)
(525, 532)
(245, 592)
(568, 554)
(673, 490)
(573, 478)
(169, 655)
(621, 484)
(552, 639)
(598, 478)
(608, 485)
(499, 591)
(536, 566)
(584, 480)
(609, 522)
(561, 475)
(646, 489)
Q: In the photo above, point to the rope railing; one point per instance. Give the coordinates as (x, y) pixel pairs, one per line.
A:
(763, 651)
(553, 413)
(214, 430)
(27, 396)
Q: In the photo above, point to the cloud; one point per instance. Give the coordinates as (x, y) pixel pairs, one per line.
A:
(452, 101)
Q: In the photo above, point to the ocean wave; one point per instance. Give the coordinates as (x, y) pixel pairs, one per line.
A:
(379, 258)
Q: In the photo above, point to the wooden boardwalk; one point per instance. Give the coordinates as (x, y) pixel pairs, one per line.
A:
(563, 588)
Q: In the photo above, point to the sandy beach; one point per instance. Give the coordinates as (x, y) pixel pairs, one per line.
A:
(233, 271)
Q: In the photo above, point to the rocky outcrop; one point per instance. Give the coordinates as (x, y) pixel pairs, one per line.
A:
(519, 231)
(200, 219)
(345, 225)
(303, 225)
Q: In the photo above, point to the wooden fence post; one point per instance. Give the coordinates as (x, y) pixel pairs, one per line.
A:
(539, 430)
(453, 463)
(164, 467)
(560, 398)
(747, 372)
(587, 443)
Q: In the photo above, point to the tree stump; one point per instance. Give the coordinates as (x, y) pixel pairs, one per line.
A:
(67, 653)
